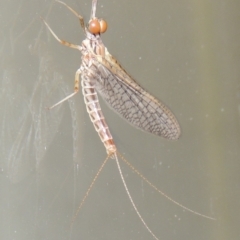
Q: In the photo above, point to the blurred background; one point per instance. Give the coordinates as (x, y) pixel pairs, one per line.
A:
(186, 53)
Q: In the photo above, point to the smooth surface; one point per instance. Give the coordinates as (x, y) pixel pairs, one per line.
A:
(184, 53)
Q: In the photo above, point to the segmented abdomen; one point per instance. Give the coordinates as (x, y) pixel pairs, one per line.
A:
(96, 115)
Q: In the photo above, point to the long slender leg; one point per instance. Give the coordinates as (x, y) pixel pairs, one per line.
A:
(81, 20)
(68, 44)
(76, 89)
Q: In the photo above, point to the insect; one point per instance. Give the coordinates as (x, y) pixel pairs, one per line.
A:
(101, 73)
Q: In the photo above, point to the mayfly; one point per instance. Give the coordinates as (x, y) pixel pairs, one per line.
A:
(101, 73)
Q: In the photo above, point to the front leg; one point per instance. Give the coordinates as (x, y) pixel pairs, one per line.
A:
(63, 42)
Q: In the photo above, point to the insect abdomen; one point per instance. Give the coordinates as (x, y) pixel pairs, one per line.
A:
(96, 115)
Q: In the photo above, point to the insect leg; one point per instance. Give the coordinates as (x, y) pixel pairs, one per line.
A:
(68, 44)
(81, 20)
(76, 89)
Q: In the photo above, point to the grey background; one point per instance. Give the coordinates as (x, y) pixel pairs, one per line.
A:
(185, 53)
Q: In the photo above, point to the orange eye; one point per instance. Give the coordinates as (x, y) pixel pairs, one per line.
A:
(94, 26)
(103, 26)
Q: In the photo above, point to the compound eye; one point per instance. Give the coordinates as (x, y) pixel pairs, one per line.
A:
(94, 26)
(103, 26)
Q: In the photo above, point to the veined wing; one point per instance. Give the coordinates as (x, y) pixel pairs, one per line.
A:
(131, 101)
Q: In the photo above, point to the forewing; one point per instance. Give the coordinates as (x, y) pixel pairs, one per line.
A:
(133, 103)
